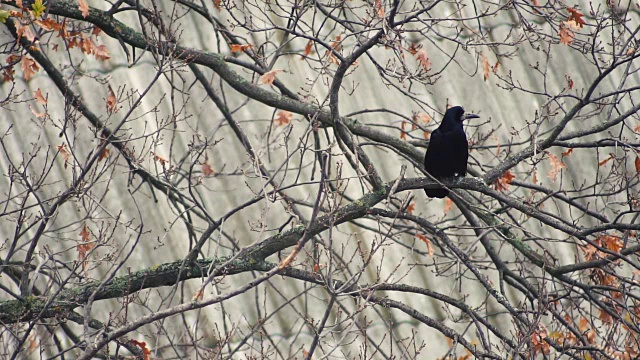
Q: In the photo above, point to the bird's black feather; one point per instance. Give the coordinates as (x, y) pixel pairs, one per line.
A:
(448, 150)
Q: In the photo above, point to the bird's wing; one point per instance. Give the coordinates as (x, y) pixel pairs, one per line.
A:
(435, 162)
(460, 153)
(463, 157)
(436, 152)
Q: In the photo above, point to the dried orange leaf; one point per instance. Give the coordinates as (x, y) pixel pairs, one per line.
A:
(585, 328)
(49, 24)
(40, 99)
(449, 341)
(101, 52)
(610, 242)
(538, 342)
(84, 233)
(161, 159)
(379, 8)
(565, 34)
(86, 245)
(568, 152)
(411, 208)
(335, 45)
(503, 182)
(269, 77)
(13, 59)
(24, 31)
(556, 166)
(569, 82)
(207, 169)
(572, 25)
(590, 252)
(87, 46)
(413, 48)
(145, 350)
(425, 118)
(37, 114)
(8, 73)
(240, 48)
(423, 59)
(576, 16)
(112, 102)
(105, 153)
(84, 8)
(29, 67)
(283, 117)
(62, 149)
(605, 317)
(307, 49)
(637, 164)
(611, 157)
(448, 205)
(427, 242)
(486, 68)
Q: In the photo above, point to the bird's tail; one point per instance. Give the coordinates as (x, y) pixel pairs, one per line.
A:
(438, 193)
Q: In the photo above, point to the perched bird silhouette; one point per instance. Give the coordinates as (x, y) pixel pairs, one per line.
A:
(448, 149)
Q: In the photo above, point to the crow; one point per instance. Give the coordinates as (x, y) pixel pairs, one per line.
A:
(448, 149)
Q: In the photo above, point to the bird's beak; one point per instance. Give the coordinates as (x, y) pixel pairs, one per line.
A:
(469, 116)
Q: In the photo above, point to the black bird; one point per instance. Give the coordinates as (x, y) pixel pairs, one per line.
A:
(448, 149)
